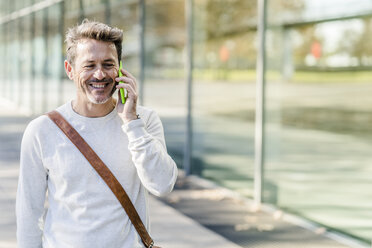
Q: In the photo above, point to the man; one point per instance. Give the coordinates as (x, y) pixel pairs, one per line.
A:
(82, 211)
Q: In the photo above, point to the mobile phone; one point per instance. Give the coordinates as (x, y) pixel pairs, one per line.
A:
(123, 92)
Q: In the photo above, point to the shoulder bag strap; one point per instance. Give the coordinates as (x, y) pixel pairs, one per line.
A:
(105, 173)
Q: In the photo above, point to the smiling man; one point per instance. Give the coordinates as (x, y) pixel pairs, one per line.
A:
(81, 210)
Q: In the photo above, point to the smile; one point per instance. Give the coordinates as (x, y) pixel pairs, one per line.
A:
(98, 86)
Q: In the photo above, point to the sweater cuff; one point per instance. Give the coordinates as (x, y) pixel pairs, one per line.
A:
(134, 129)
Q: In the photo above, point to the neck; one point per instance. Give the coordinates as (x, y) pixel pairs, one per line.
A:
(89, 109)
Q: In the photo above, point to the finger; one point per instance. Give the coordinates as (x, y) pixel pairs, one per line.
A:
(129, 75)
(131, 93)
(128, 81)
(127, 87)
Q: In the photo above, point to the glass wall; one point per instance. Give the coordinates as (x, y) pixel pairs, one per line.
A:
(125, 16)
(164, 76)
(33, 46)
(318, 136)
(223, 100)
(26, 63)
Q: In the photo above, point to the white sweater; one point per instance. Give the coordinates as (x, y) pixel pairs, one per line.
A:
(82, 211)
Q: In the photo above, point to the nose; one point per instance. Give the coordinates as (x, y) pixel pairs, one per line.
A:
(99, 73)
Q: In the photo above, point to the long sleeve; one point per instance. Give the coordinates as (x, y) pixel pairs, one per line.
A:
(31, 192)
(82, 211)
(156, 169)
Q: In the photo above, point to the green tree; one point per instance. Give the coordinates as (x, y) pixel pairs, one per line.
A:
(359, 45)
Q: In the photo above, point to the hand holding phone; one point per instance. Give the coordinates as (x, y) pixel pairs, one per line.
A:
(127, 111)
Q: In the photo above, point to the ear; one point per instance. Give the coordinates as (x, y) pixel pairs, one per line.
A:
(69, 70)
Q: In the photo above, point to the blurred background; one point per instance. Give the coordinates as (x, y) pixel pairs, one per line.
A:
(317, 160)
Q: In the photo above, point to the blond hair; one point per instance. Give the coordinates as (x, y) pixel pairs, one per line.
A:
(92, 30)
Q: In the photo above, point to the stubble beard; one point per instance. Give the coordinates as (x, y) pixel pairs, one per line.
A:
(87, 93)
(95, 101)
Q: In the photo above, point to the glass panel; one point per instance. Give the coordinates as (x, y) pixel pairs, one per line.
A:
(125, 17)
(294, 11)
(13, 60)
(27, 3)
(4, 58)
(72, 11)
(71, 18)
(317, 9)
(8, 56)
(94, 10)
(18, 61)
(165, 87)
(11, 6)
(72, 5)
(39, 62)
(27, 62)
(4, 7)
(19, 4)
(54, 61)
(224, 92)
(90, 3)
(318, 115)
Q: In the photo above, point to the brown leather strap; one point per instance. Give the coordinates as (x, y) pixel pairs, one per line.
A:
(105, 173)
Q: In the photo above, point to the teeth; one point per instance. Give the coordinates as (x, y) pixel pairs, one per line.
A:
(98, 85)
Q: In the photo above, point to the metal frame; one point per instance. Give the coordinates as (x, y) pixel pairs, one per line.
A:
(81, 11)
(44, 84)
(189, 80)
(260, 105)
(142, 21)
(33, 70)
(62, 58)
(20, 83)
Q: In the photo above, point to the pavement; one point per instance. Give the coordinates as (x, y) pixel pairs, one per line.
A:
(198, 213)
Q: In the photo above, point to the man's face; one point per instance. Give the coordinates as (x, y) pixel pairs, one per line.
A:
(95, 70)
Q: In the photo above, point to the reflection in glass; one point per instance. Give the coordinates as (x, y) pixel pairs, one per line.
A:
(165, 87)
(318, 120)
(224, 93)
